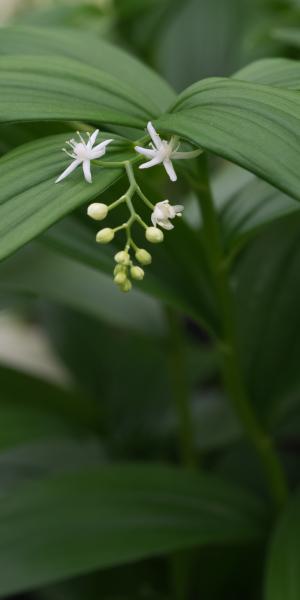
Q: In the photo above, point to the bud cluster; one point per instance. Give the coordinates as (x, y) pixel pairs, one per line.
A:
(125, 270)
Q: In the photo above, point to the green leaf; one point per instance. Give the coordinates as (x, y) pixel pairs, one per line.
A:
(37, 271)
(93, 52)
(252, 208)
(74, 523)
(251, 125)
(279, 72)
(29, 199)
(36, 88)
(283, 569)
(25, 418)
(267, 294)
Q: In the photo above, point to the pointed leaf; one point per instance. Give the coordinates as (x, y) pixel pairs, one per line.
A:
(92, 51)
(279, 72)
(254, 126)
(36, 88)
(71, 524)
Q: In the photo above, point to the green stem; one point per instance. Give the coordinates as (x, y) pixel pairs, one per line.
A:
(181, 389)
(228, 348)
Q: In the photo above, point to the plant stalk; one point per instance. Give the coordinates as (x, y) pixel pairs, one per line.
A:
(228, 347)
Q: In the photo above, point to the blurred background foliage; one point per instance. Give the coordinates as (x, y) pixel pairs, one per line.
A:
(88, 376)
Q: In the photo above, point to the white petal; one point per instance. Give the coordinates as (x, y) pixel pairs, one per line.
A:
(69, 170)
(151, 163)
(170, 169)
(100, 149)
(186, 155)
(165, 224)
(154, 136)
(87, 170)
(145, 151)
(153, 219)
(93, 138)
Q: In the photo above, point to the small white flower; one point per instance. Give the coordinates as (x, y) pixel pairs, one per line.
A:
(83, 152)
(163, 152)
(163, 211)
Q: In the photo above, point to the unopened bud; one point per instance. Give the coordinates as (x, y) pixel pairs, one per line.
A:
(137, 273)
(97, 211)
(143, 256)
(126, 287)
(104, 236)
(120, 278)
(119, 269)
(122, 258)
(154, 235)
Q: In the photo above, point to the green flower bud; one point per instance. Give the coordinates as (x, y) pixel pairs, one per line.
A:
(97, 211)
(126, 287)
(122, 258)
(104, 236)
(143, 256)
(137, 273)
(119, 269)
(154, 235)
(120, 278)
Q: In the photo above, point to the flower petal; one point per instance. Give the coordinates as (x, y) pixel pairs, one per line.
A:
(165, 224)
(87, 170)
(145, 151)
(93, 138)
(154, 135)
(170, 169)
(151, 163)
(69, 170)
(100, 149)
(153, 219)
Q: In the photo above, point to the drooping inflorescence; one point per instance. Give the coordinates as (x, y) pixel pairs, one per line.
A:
(160, 152)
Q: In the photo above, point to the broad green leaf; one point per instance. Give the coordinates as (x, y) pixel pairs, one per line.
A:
(251, 125)
(279, 72)
(52, 455)
(70, 524)
(250, 209)
(91, 51)
(37, 88)
(32, 409)
(267, 300)
(40, 272)
(283, 567)
(30, 201)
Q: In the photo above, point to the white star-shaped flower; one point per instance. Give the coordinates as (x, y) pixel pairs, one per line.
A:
(163, 211)
(163, 152)
(83, 152)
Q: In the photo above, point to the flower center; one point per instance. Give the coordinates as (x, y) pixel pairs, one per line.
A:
(81, 151)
